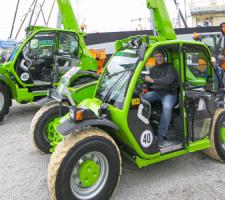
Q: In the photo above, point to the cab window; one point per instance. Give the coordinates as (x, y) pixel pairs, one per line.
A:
(68, 45)
(41, 45)
(115, 79)
(197, 65)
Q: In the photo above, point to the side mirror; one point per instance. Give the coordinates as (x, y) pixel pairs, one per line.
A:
(142, 51)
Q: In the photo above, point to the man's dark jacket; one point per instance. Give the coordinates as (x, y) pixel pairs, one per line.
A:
(165, 79)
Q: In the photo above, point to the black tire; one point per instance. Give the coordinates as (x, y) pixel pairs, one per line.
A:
(217, 151)
(71, 150)
(5, 100)
(38, 130)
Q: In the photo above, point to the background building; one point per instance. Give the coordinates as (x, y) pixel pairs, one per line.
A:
(207, 12)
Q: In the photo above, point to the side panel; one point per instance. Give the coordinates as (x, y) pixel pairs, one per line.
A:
(142, 130)
(23, 95)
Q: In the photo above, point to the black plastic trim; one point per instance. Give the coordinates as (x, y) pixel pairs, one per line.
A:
(69, 125)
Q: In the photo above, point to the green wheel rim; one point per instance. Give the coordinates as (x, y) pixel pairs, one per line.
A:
(51, 134)
(87, 183)
(222, 136)
(88, 173)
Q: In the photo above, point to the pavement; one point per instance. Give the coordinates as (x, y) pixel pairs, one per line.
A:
(23, 170)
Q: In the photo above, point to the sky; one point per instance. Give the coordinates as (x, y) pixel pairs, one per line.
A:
(98, 15)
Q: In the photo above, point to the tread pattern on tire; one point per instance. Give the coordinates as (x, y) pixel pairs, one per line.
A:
(212, 152)
(63, 148)
(8, 101)
(37, 117)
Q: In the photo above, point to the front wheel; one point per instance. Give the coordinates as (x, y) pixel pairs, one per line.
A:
(5, 101)
(42, 131)
(217, 137)
(86, 165)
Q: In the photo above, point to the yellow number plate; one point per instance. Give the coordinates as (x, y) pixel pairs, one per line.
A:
(135, 101)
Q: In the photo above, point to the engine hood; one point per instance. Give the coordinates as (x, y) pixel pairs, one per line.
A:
(92, 104)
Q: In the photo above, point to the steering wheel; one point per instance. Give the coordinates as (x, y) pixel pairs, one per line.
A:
(144, 86)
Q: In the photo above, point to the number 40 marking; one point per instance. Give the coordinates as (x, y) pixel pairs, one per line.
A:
(146, 138)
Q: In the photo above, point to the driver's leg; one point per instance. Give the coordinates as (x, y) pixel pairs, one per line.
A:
(152, 96)
(168, 102)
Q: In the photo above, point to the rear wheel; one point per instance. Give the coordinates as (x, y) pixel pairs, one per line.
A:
(217, 137)
(87, 164)
(43, 134)
(5, 101)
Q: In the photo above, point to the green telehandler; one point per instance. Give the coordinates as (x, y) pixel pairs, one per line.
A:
(86, 164)
(38, 62)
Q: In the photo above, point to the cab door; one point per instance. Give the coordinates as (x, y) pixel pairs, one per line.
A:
(35, 62)
(198, 90)
(46, 57)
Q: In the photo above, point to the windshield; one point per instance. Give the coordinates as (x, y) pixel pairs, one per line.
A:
(115, 78)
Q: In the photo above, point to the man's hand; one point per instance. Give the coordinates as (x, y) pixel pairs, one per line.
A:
(149, 79)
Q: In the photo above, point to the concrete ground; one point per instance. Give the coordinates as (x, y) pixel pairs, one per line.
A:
(23, 170)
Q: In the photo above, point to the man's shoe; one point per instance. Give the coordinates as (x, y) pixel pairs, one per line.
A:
(165, 143)
(168, 143)
(161, 144)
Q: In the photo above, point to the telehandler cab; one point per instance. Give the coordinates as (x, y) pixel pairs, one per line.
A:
(86, 164)
(39, 61)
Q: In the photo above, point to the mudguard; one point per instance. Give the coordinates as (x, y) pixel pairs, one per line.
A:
(69, 126)
(44, 100)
